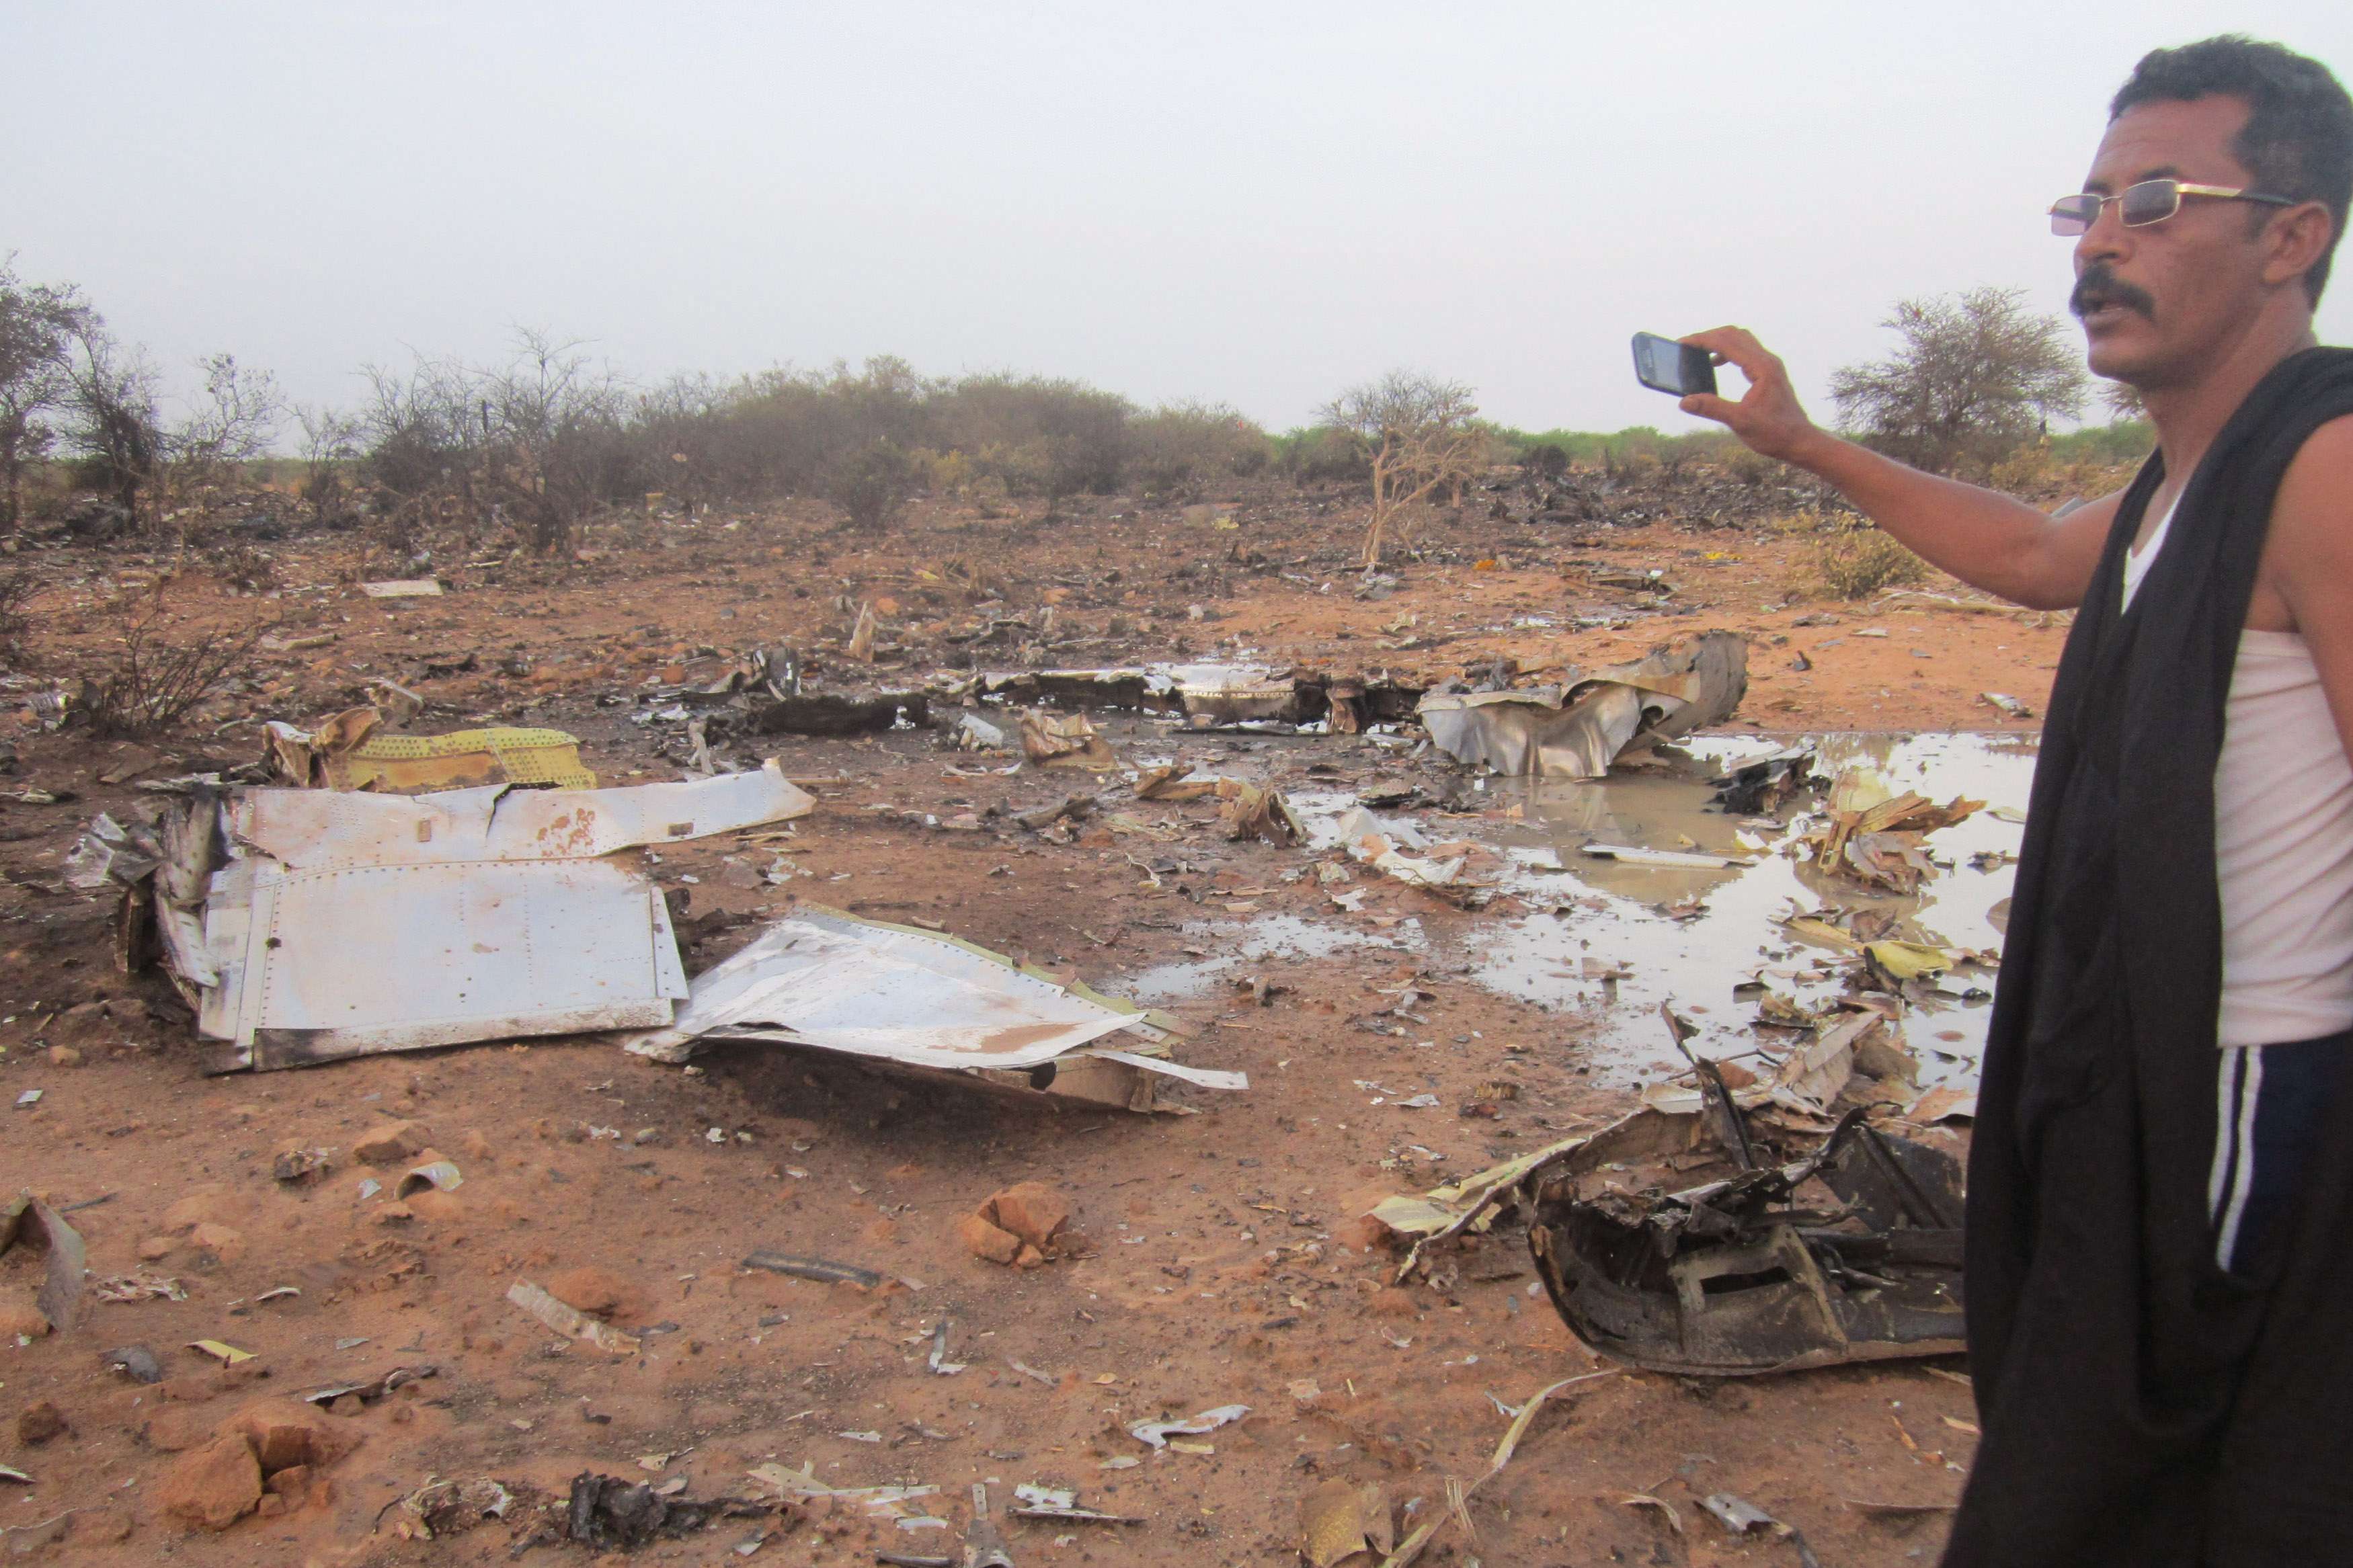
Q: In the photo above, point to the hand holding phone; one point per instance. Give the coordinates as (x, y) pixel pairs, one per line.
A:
(1676, 369)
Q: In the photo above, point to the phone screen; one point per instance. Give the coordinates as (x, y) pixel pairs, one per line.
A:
(1665, 366)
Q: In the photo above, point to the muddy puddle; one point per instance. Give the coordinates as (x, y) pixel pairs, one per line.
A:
(1222, 952)
(1620, 938)
(1627, 938)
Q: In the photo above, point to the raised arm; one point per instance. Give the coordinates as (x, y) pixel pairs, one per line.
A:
(1980, 536)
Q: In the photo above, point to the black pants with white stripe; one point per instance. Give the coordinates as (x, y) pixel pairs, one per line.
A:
(2271, 1102)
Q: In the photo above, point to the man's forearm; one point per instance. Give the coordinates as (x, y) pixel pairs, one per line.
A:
(1984, 538)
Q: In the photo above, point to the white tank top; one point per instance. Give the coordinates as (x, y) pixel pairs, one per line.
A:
(2283, 840)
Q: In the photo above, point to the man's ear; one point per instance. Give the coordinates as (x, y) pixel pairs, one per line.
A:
(2296, 238)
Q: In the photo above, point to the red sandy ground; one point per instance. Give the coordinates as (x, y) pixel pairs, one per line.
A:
(1220, 1266)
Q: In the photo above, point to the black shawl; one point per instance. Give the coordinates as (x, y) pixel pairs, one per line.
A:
(2138, 1405)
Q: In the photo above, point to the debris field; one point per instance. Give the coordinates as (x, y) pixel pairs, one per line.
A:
(1001, 1044)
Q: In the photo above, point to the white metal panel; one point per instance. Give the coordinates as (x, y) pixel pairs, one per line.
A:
(433, 954)
(314, 830)
(841, 984)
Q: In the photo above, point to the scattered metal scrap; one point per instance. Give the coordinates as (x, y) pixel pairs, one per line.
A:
(916, 1001)
(308, 925)
(1742, 1275)
(1809, 1249)
(1576, 727)
(34, 1223)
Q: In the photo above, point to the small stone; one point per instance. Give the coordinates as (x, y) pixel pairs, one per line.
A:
(599, 1292)
(1392, 1301)
(39, 1422)
(435, 1208)
(293, 1482)
(225, 1243)
(20, 1317)
(347, 1405)
(391, 1143)
(213, 1487)
(65, 1056)
(176, 1428)
(192, 1208)
(284, 1432)
(1032, 1211)
(984, 1240)
(395, 1214)
(156, 1249)
(474, 1146)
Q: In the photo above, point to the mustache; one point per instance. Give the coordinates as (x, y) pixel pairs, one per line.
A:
(2099, 285)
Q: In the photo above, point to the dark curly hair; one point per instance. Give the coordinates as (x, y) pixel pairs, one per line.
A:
(2298, 139)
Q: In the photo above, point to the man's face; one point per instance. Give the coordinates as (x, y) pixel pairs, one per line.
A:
(2159, 301)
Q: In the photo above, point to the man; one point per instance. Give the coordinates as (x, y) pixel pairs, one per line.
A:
(2160, 1207)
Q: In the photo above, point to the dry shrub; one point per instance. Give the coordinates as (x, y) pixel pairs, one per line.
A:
(1857, 562)
(160, 674)
(17, 586)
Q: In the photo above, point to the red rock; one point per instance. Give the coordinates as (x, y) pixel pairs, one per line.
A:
(156, 1249)
(1394, 1301)
(984, 1240)
(391, 1143)
(599, 1292)
(435, 1208)
(213, 1487)
(1364, 1233)
(1032, 1211)
(176, 1428)
(192, 1208)
(285, 1433)
(39, 1422)
(20, 1318)
(226, 1243)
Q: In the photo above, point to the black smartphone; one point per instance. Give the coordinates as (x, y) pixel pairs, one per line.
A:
(1665, 366)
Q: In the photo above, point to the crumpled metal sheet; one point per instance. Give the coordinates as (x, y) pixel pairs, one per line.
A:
(320, 829)
(897, 994)
(1741, 1277)
(1577, 728)
(308, 925)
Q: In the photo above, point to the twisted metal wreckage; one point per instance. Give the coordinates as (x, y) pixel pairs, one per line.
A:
(307, 925)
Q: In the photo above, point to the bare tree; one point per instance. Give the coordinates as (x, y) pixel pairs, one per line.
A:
(1977, 374)
(540, 441)
(112, 420)
(558, 424)
(330, 443)
(37, 323)
(231, 422)
(1419, 434)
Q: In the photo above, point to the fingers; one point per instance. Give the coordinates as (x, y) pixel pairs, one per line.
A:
(1709, 407)
(1740, 346)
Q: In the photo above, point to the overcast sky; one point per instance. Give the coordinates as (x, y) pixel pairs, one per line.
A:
(1254, 203)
